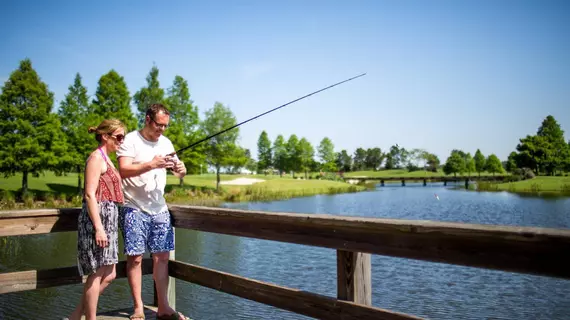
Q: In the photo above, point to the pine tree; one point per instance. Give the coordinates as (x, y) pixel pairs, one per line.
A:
(264, 155)
(113, 101)
(75, 121)
(150, 94)
(183, 127)
(31, 140)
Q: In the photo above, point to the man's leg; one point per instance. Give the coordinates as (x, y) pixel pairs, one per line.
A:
(160, 276)
(161, 242)
(135, 228)
(134, 275)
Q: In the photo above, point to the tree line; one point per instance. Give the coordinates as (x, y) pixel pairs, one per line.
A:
(34, 139)
(299, 155)
(543, 153)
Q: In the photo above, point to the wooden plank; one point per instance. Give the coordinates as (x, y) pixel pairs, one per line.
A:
(27, 222)
(542, 251)
(302, 302)
(149, 312)
(354, 277)
(36, 279)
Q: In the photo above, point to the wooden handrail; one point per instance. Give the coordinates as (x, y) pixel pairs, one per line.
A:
(541, 251)
(302, 302)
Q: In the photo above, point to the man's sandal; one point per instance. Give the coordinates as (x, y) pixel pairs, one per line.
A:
(174, 316)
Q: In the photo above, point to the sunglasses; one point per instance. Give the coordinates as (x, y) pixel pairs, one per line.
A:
(119, 137)
(159, 125)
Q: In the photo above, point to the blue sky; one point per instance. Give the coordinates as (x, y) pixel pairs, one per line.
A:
(441, 75)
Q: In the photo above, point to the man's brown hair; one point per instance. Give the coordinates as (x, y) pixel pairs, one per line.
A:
(155, 108)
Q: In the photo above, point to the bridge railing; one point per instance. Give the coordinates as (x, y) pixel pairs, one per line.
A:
(539, 251)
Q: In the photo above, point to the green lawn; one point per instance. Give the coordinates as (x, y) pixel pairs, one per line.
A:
(538, 184)
(196, 188)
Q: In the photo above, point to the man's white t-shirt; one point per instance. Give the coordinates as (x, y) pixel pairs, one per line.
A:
(146, 191)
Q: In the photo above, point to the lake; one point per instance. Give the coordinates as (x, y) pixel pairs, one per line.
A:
(425, 289)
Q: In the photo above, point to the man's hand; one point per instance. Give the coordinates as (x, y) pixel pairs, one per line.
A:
(179, 168)
(159, 162)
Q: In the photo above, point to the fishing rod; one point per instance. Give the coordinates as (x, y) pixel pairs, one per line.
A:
(239, 124)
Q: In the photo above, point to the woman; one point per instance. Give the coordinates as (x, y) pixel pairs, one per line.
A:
(97, 238)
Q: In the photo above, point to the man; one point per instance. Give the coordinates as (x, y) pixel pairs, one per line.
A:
(145, 219)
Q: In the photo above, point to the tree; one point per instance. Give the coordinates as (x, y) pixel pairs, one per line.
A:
(263, 152)
(374, 158)
(327, 155)
(31, 139)
(150, 94)
(480, 163)
(343, 161)
(75, 120)
(280, 154)
(534, 153)
(494, 164)
(455, 164)
(221, 150)
(555, 144)
(432, 162)
(359, 159)
(469, 164)
(112, 100)
(307, 152)
(250, 164)
(393, 158)
(184, 127)
(511, 164)
(293, 154)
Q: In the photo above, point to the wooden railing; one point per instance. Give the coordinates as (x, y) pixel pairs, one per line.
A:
(539, 251)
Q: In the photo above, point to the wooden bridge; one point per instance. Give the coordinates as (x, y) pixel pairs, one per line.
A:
(539, 251)
(444, 179)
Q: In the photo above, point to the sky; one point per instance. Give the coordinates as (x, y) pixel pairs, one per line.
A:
(440, 75)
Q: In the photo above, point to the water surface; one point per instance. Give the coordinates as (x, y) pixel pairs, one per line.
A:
(430, 290)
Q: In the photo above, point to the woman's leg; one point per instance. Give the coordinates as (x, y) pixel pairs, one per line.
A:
(108, 276)
(93, 288)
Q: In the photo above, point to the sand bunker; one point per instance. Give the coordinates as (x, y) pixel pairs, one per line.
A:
(242, 181)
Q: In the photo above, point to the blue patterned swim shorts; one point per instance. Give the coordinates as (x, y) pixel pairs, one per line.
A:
(146, 231)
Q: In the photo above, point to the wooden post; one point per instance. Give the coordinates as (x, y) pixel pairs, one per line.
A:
(403, 183)
(354, 277)
(425, 182)
(467, 183)
(382, 183)
(171, 292)
(444, 183)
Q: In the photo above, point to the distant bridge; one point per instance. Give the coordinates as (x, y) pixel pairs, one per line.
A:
(444, 179)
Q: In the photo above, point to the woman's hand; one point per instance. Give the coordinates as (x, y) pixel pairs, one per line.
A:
(101, 238)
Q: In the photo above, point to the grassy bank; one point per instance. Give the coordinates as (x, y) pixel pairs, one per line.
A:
(538, 186)
(52, 191)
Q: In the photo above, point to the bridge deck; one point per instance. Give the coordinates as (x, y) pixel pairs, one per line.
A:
(149, 312)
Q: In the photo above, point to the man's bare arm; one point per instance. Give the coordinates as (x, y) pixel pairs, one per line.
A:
(129, 169)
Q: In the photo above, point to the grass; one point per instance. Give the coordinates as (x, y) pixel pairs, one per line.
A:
(53, 191)
(541, 185)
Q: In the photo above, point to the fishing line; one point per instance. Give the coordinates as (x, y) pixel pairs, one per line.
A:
(239, 124)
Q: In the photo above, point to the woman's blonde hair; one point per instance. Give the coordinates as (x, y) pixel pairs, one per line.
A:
(107, 126)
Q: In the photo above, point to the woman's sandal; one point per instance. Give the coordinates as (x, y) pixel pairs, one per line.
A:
(137, 316)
